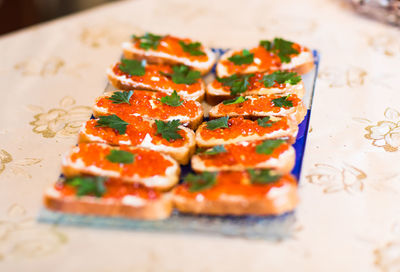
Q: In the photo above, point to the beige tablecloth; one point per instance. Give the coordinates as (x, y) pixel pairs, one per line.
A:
(349, 215)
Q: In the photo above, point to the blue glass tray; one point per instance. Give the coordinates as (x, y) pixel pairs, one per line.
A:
(252, 227)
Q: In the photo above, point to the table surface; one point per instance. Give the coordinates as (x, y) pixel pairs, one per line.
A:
(348, 218)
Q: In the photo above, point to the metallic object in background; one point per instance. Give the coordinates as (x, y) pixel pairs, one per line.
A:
(387, 11)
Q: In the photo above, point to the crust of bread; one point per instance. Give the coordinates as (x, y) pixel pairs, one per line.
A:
(164, 183)
(273, 204)
(283, 164)
(289, 135)
(127, 84)
(192, 123)
(296, 113)
(158, 209)
(131, 52)
(181, 154)
(217, 95)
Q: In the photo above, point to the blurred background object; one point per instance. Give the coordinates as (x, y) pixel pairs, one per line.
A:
(16, 14)
(387, 11)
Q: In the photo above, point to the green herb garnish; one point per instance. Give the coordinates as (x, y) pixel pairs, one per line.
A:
(192, 48)
(215, 150)
(264, 122)
(237, 83)
(121, 97)
(133, 67)
(120, 156)
(112, 121)
(282, 102)
(283, 48)
(218, 123)
(168, 130)
(268, 146)
(201, 181)
(173, 100)
(183, 75)
(236, 100)
(245, 58)
(281, 77)
(148, 41)
(88, 185)
(262, 176)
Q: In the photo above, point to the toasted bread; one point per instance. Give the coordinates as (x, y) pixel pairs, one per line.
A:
(240, 129)
(217, 91)
(233, 194)
(128, 201)
(263, 105)
(154, 80)
(149, 168)
(148, 105)
(244, 155)
(169, 51)
(141, 133)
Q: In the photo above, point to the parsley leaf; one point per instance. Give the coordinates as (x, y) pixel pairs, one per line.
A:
(133, 67)
(183, 75)
(282, 102)
(121, 97)
(218, 123)
(245, 58)
(192, 48)
(262, 176)
(148, 41)
(201, 181)
(112, 121)
(238, 83)
(173, 100)
(281, 77)
(168, 130)
(283, 48)
(215, 150)
(236, 100)
(88, 185)
(120, 156)
(268, 146)
(264, 122)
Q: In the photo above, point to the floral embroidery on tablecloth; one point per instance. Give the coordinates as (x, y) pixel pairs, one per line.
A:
(48, 67)
(386, 133)
(339, 77)
(17, 167)
(385, 43)
(63, 121)
(387, 257)
(334, 179)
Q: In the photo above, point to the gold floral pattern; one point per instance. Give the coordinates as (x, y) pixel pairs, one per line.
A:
(5, 158)
(337, 179)
(337, 77)
(63, 121)
(22, 237)
(48, 67)
(386, 133)
(387, 257)
(385, 43)
(17, 167)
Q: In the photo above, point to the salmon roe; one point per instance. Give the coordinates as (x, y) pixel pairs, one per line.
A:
(148, 104)
(238, 126)
(147, 163)
(242, 154)
(236, 183)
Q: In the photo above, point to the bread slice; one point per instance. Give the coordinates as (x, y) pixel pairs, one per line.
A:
(169, 51)
(265, 60)
(217, 92)
(240, 129)
(244, 155)
(148, 105)
(149, 168)
(263, 105)
(233, 194)
(141, 133)
(153, 80)
(120, 200)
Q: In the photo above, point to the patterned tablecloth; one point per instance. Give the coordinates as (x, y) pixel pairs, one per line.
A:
(349, 215)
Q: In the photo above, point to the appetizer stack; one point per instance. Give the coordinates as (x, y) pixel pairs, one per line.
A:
(126, 163)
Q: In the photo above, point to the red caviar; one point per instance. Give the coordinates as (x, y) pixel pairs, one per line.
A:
(147, 163)
(238, 126)
(242, 154)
